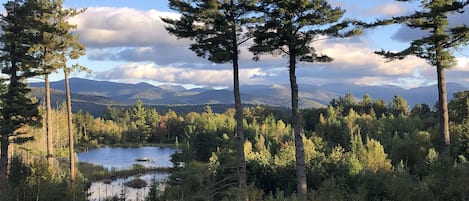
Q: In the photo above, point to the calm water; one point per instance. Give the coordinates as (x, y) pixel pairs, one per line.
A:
(124, 158)
(99, 190)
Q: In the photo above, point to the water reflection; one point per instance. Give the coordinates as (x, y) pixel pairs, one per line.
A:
(100, 190)
(124, 158)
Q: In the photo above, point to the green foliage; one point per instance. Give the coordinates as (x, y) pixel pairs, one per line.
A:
(353, 150)
(396, 153)
(459, 107)
(55, 41)
(37, 181)
(333, 129)
(17, 108)
(270, 151)
(214, 26)
(155, 192)
(336, 189)
(460, 138)
(380, 156)
(436, 47)
(373, 157)
(189, 183)
(398, 106)
(139, 129)
(289, 28)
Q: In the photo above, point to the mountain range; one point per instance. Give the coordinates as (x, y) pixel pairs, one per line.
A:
(92, 93)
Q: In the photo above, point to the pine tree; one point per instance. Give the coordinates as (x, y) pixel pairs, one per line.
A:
(17, 108)
(398, 106)
(216, 28)
(289, 27)
(138, 118)
(54, 42)
(436, 48)
(71, 49)
(154, 193)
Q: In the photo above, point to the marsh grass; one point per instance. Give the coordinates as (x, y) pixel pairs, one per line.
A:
(95, 172)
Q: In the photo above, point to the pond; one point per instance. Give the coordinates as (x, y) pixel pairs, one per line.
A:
(100, 190)
(120, 158)
(124, 157)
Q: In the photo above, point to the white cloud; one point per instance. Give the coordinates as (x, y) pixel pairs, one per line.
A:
(352, 56)
(170, 74)
(462, 64)
(375, 8)
(389, 9)
(374, 80)
(114, 27)
(135, 36)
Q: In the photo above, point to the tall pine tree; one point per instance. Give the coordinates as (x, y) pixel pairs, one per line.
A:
(17, 108)
(55, 42)
(436, 47)
(289, 28)
(139, 120)
(215, 26)
(71, 49)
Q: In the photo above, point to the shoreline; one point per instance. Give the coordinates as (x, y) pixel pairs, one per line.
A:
(84, 147)
(94, 172)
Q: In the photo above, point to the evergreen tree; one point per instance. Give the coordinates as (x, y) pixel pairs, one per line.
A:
(216, 28)
(289, 27)
(366, 104)
(436, 47)
(379, 106)
(459, 107)
(17, 109)
(398, 106)
(71, 49)
(154, 193)
(138, 118)
(54, 42)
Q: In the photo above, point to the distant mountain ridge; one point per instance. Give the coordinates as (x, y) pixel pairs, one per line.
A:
(112, 93)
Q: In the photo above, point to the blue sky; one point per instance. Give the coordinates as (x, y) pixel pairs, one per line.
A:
(126, 42)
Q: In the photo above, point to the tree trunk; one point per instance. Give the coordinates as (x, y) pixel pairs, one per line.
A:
(49, 155)
(239, 125)
(299, 147)
(443, 113)
(239, 130)
(4, 143)
(71, 141)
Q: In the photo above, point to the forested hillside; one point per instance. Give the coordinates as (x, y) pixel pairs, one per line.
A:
(366, 149)
(114, 93)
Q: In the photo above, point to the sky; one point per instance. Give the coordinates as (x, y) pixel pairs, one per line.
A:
(126, 42)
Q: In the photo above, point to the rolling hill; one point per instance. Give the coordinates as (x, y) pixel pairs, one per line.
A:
(104, 93)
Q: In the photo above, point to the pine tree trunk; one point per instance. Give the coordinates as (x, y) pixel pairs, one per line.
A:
(70, 127)
(299, 147)
(5, 138)
(49, 155)
(443, 113)
(239, 127)
(4, 144)
(239, 130)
